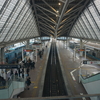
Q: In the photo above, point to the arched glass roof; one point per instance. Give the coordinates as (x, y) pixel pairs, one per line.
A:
(88, 24)
(24, 19)
(17, 21)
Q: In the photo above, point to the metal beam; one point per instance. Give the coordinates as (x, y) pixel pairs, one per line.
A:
(36, 16)
(45, 32)
(62, 1)
(71, 11)
(47, 15)
(46, 10)
(46, 19)
(73, 7)
(50, 6)
(46, 25)
(67, 19)
(46, 29)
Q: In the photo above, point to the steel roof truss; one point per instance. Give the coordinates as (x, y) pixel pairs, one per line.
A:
(46, 32)
(50, 6)
(47, 29)
(46, 25)
(69, 17)
(46, 9)
(61, 15)
(47, 15)
(41, 17)
(71, 9)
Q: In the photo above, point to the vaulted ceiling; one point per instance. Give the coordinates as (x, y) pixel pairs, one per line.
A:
(57, 17)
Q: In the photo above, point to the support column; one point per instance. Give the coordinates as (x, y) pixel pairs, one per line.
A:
(22, 54)
(67, 42)
(2, 56)
(81, 47)
(2, 61)
(27, 44)
(85, 52)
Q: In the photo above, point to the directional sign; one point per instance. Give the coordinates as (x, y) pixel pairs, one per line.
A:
(8, 66)
(90, 62)
(28, 50)
(81, 49)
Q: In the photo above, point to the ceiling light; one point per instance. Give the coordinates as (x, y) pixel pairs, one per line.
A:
(56, 15)
(59, 3)
(57, 11)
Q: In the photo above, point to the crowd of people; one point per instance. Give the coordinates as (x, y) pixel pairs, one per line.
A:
(22, 71)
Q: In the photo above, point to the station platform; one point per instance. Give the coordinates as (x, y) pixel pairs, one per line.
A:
(37, 74)
(70, 70)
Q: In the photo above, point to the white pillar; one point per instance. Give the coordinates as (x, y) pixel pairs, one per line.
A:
(22, 54)
(85, 52)
(27, 44)
(80, 73)
(36, 54)
(74, 54)
(81, 47)
(67, 42)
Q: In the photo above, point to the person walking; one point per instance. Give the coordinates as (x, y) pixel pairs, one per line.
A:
(33, 65)
(28, 82)
(16, 75)
(22, 72)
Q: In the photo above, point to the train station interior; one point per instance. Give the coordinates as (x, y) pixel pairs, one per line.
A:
(49, 49)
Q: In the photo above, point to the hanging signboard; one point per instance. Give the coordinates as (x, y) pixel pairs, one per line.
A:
(90, 62)
(81, 49)
(28, 50)
(8, 66)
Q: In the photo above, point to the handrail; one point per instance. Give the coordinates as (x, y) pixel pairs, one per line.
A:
(7, 90)
(91, 78)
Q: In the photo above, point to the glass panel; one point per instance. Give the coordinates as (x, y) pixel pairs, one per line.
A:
(94, 14)
(80, 30)
(92, 23)
(17, 26)
(2, 3)
(85, 20)
(97, 3)
(87, 35)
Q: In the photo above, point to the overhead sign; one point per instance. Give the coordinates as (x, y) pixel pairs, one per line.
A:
(90, 62)
(81, 49)
(28, 50)
(8, 66)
